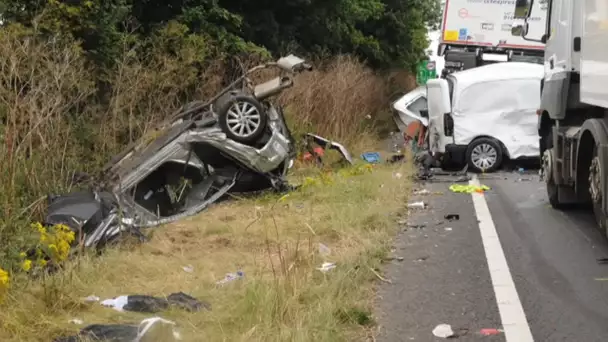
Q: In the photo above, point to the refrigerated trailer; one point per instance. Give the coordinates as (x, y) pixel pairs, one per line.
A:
(573, 115)
(478, 32)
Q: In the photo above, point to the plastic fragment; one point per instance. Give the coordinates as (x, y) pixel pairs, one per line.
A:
(443, 331)
(326, 266)
(91, 299)
(371, 157)
(230, 277)
(490, 332)
(417, 205)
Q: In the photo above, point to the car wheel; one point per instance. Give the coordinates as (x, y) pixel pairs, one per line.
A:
(242, 118)
(484, 155)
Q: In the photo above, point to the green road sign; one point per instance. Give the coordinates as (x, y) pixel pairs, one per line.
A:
(426, 71)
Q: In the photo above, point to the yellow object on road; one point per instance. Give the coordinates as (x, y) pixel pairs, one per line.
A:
(468, 189)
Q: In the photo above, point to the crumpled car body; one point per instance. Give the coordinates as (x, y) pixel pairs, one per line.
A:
(236, 142)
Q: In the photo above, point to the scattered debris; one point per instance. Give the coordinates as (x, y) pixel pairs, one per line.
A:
(468, 189)
(601, 279)
(524, 179)
(230, 277)
(188, 269)
(421, 192)
(602, 261)
(150, 329)
(443, 331)
(397, 175)
(91, 299)
(77, 321)
(396, 158)
(417, 205)
(416, 226)
(452, 217)
(521, 170)
(326, 144)
(423, 258)
(448, 229)
(392, 257)
(318, 152)
(145, 303)
(326, 267)
(371, 157)
(490, 332)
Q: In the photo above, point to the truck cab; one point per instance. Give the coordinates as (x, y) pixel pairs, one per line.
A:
(573, 115)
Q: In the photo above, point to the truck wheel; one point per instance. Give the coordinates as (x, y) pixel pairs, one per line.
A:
(595, 190)
(553, 190)
(484, 155)
(553, 194)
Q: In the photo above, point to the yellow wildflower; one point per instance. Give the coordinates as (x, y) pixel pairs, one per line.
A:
(26, 265)
(39, 227)
(4, 279)
(62, 228)
(63, 250)
(42, 262)
(53, 248)
(22, 255)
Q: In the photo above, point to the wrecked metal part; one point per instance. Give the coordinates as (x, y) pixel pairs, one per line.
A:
(327, 144)
(236, 142)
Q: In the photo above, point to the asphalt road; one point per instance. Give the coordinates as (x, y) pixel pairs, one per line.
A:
(442, 275)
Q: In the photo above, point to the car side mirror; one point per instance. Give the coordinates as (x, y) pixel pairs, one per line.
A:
(424, 113)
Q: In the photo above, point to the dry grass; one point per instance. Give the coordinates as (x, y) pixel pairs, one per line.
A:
(342, 99)
(274, 241)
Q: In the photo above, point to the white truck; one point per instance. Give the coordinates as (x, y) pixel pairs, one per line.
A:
(573, 115)
(478, 32)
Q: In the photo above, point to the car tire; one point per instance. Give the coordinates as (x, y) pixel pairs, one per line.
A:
(242, 118)
(484, 155)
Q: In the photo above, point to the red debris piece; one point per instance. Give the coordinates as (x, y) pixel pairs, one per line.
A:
(490, 332)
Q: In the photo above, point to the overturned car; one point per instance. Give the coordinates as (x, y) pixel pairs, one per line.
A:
(236, 142)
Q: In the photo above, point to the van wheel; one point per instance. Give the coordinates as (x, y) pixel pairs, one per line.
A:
(484, 155)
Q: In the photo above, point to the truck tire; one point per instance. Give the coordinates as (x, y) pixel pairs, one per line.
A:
(484, 155)
(553, 195)
(595, 190)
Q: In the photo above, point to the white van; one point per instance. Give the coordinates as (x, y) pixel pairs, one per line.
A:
(484, 115)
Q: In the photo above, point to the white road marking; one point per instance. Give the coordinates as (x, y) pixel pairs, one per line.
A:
(511, 311)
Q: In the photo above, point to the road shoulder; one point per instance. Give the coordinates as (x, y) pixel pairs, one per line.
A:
(439, 275)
